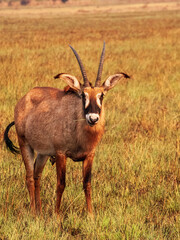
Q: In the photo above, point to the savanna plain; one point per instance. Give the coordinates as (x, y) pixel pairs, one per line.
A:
(135, 176)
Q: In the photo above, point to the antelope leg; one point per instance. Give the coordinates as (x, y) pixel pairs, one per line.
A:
(28, 159)
(61, 181)
(87, 166)
(38, 168)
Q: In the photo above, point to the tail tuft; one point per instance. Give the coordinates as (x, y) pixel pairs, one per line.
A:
(8, 142)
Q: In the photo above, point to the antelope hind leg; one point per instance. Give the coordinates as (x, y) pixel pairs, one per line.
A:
(38, 168)
(61, 181)
(28, 159)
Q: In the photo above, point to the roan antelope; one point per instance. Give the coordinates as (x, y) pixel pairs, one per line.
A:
(60, 124)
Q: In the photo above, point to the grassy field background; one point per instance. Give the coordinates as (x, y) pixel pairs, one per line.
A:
(135, 182)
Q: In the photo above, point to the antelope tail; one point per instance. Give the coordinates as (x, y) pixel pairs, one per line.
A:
(8, 142)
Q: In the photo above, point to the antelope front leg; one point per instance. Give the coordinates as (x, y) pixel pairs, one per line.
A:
(61, 181)
(87, 166)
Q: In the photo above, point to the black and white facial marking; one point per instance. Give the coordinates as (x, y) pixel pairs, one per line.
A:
(92, 100)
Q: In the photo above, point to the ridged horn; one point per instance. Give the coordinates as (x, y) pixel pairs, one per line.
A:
(98, 79)
(86, 82)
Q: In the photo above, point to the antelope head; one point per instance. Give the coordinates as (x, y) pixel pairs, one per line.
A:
(92, 97)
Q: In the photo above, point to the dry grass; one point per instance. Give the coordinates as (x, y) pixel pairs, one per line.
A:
(136, 169)
(51, 10)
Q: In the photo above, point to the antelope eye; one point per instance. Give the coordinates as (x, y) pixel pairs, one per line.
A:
(102, 96)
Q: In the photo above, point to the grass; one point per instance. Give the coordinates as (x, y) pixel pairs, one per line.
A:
(136, 168)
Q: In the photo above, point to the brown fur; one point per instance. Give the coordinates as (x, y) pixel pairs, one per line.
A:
(52, 122)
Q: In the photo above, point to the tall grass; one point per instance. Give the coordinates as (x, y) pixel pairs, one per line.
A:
(136, 168)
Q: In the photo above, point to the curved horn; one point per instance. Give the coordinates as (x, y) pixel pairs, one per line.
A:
(86, 82)
(98, 79)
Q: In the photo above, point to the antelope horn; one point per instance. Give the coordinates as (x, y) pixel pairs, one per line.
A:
(98, 79)
(86, 82)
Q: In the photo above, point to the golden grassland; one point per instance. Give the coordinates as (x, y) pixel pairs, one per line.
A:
(51, 9)
(136, 168)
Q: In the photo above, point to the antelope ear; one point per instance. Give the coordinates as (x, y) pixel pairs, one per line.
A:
(113, 80)
(70, 80)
